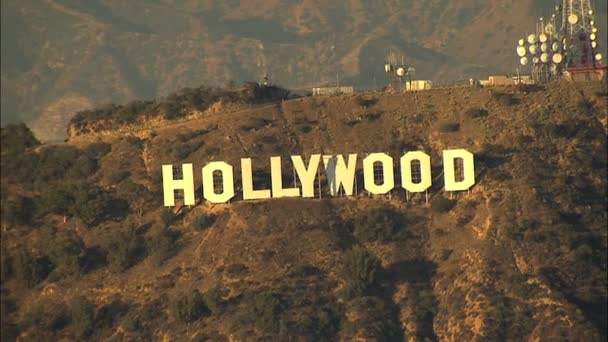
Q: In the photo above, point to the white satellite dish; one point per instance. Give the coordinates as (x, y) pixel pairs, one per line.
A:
(532, 39)
(549, 29)
(555, 47)
(592, 36)
(400, 72)
(388, 67)
(594, 44)
(521, 42)
(535, 60)
(523, 61)
(558, 58)
(594, 30)
(533, 49)
(521, 51)
(544, 47)
(573, 19)
(598, 57)
(554, 68)
(544, 58)
(542, 38)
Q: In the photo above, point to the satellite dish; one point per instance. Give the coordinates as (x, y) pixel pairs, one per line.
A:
(400, 71)
(388, 67)
(592, 36)
(544, 47)
(594, 30)
(521, 42)
(532, 39)
(533, 49)
(542, 37)
(535, 60)
(558, 58)
(521, 51)
(523, 61)
(549, 29)
(598, 57)
(411, 71)
(544, 58)
(554, 68)
(594, 44)
(555, 47)
(573, 19)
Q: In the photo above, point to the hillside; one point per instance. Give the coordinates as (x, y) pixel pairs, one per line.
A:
(62, 56)
(88, 252)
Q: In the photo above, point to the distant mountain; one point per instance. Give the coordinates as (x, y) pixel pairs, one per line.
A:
(60, 56)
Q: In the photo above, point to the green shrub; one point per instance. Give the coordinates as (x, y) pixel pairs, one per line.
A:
(267, 310)
(167, 217)
(376, 225)
(236, 270)
(161, 244)
(449, 127)
(82, 312)
(504, 99)
(359, 270)
(66, 251)
(124, 248)
(441, 204)
(322, 323)
(213, 299)
(17, 138)
(188, 307)
(29, 270)
(202, 221)
(475, 113)
(18, 211)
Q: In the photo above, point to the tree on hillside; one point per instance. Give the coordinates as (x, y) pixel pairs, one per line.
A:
(359, 270)
(16, 138)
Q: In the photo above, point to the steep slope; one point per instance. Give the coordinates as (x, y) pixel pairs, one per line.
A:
(522, 256)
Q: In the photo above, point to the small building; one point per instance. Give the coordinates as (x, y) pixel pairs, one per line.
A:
(416, 85)
(320, 91)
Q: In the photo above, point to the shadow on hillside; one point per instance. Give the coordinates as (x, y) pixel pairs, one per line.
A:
(418, 273)
(595, 310)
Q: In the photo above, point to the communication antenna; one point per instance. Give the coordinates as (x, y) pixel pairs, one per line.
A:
(580, 33)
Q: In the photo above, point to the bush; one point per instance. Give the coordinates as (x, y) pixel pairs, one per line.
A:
(188, 307)
(18, 211)
(29, 270)
(124, 248)
(17, 138)
(160, 244)
(323, 323)
(267, 310)
(236, 270)
(66, 251)
(359, 270)
(202, 221)
(214, 299)
(475, 113)
(377, 225)
(448, 127)
(83, 316)
(167, 217)
(441, 204)
(505, 99)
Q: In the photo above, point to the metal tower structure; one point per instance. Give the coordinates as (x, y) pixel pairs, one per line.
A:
(578, 27)
(572, 48)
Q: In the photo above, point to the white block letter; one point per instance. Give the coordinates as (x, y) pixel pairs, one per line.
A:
(339, 173)
(451, 184)
(186, 184)
(307, 175)
(388, 174)
(425, 171)
(277, 181)
(247, 176)
(227, 182)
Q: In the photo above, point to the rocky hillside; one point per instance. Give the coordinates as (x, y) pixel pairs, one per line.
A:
(62, 56)
(89, 253)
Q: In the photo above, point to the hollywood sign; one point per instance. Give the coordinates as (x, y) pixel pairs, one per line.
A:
(340, 173)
